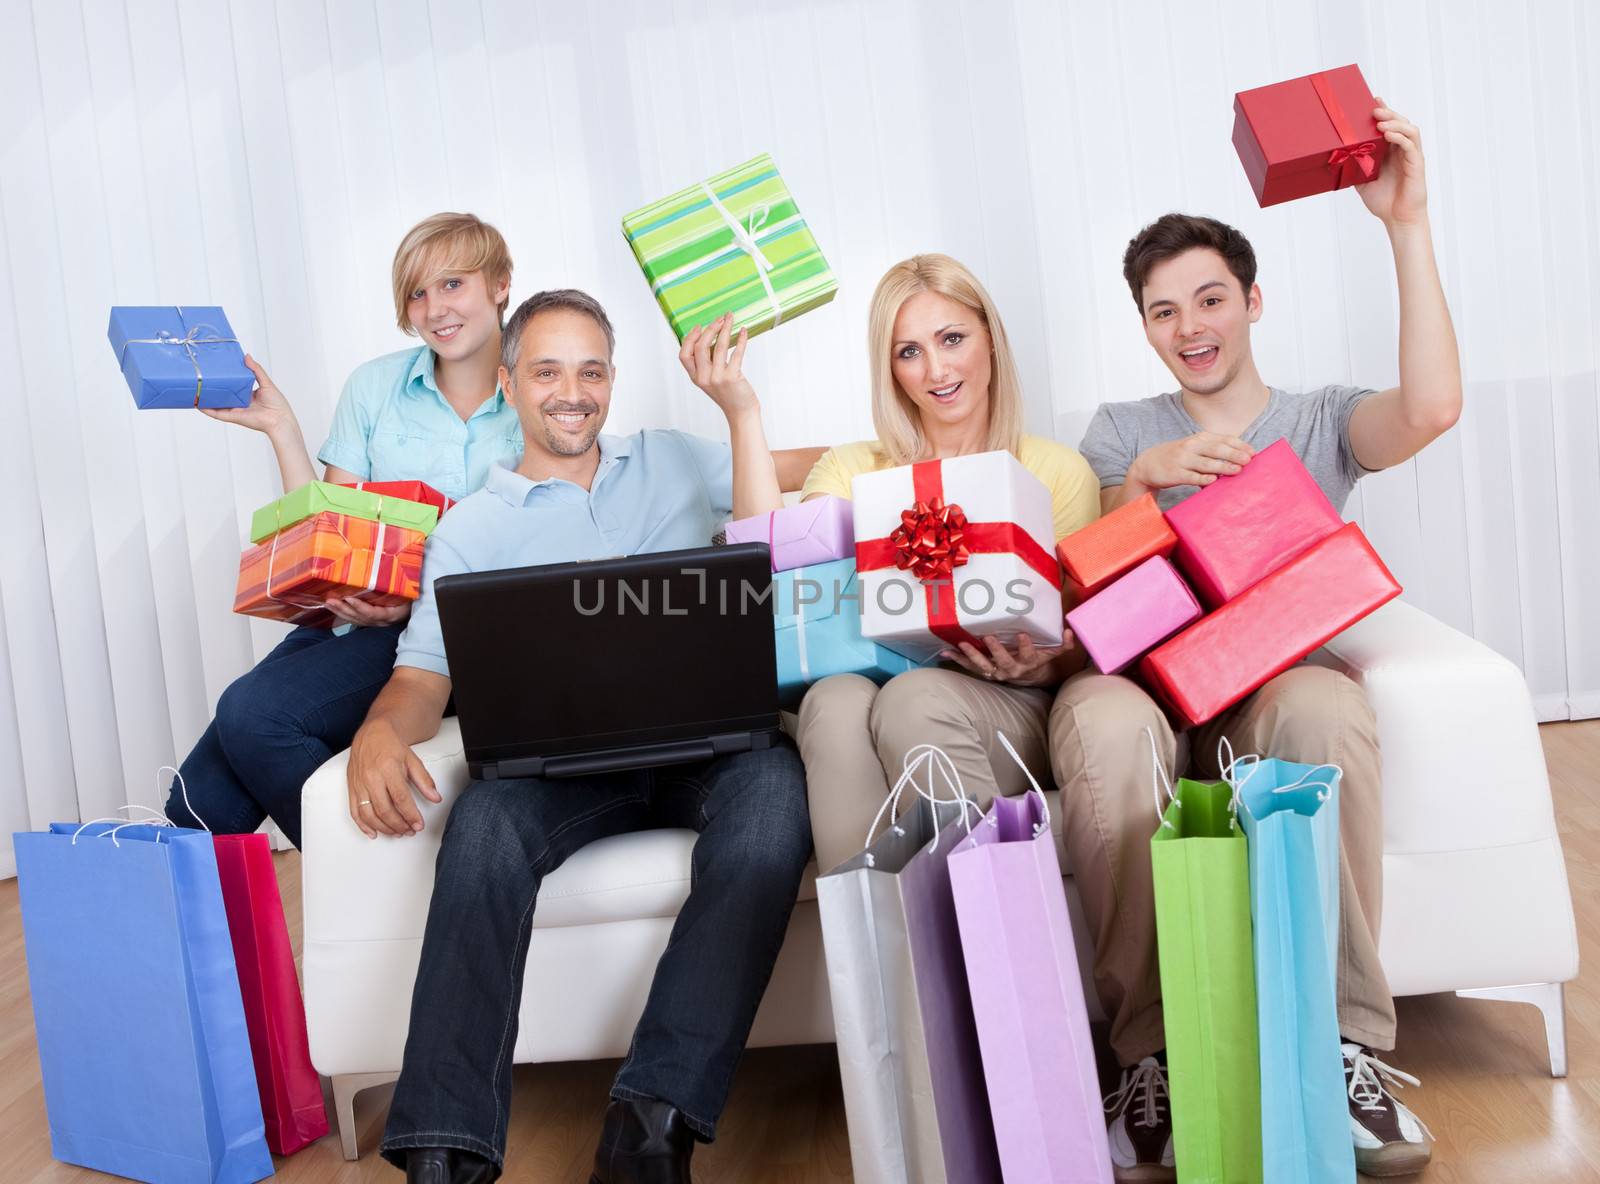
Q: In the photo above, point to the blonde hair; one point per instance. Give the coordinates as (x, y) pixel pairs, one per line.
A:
(894, 415)
(447, 243)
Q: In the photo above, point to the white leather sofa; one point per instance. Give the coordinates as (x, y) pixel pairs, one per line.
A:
(1475, 890)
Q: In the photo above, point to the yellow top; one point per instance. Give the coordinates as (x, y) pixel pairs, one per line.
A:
(1074, 489)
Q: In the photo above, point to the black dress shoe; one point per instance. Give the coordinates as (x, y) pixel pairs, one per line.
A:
(643, 1143)
(428, 1165)
(446, 1165)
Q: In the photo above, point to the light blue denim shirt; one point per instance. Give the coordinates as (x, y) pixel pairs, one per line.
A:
(654, 491)
(393, 424)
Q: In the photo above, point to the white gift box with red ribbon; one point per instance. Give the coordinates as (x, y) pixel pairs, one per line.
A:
(954, 550)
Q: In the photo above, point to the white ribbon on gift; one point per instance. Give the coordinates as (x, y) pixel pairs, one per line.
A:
(800, 629)
(744, 237)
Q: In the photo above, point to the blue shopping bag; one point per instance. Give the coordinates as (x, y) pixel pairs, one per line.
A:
(141, 1031)
(1290, 816)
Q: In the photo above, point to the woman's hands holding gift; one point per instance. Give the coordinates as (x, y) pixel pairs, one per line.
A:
(355, 611)
(268, 410)
(1024, 665)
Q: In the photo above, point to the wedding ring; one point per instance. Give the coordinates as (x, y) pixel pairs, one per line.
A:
(365, 802)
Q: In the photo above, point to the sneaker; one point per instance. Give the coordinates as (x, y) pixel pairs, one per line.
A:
(1140, 1127)
(1390, 1140)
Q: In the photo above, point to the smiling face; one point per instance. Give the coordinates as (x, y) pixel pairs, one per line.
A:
(940, 356)
(561, 388)
(1198, 318)
(458, 313)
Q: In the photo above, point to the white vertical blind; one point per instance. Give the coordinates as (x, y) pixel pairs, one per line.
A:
(267, 157)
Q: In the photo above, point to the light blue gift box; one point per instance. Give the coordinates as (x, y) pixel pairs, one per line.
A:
(179, 356)
(817, 626)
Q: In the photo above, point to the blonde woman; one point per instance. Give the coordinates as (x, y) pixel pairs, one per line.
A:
(944, 384)
(431, 413)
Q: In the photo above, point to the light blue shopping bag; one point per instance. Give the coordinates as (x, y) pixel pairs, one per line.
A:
(140, 1025)
(1290, 816)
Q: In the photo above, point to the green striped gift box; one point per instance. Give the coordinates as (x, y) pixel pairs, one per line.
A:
(700, 266)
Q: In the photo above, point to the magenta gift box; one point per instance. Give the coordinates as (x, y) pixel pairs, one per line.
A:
(1133, 615)
(816, 531)
(1240, 529)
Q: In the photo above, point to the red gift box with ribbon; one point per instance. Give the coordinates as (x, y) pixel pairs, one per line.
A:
(953, 550)
(410, 491)
(1219, 660)
(1308, 135)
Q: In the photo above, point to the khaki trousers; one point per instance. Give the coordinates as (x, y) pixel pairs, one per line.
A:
(1090, 742)
(851, 731)
(1101, 760)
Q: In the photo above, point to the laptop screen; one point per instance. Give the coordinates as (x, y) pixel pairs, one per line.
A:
(577, 657)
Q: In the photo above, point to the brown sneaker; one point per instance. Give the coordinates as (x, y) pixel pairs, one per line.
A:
(1390, 1140)
(1140, 1127)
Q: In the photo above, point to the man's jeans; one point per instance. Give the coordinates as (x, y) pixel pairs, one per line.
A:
(277, 724)
(502, 839)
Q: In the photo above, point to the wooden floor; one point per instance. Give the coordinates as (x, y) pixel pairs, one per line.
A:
(1487, 1093)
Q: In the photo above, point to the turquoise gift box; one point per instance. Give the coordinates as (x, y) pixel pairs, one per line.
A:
(817, 627)
(179, 356)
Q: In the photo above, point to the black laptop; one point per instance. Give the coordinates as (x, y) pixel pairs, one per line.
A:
(579, 668)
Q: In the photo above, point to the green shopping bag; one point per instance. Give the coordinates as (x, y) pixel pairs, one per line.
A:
(1202, 887)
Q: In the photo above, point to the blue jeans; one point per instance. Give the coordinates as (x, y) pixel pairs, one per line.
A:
(277, 724)
(502, 839)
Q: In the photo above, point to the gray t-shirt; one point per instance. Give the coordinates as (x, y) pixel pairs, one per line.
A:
(1316, 424)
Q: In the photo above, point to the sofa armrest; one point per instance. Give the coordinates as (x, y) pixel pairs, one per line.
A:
(1462, 763)
(360, 889)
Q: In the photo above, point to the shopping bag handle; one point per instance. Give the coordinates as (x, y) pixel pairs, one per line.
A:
(184, 790)
(1158, 775)
(935, 758)
(1044, 804)
(160, 821)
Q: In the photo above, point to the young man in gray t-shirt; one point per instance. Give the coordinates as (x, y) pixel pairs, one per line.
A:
(1193, 280)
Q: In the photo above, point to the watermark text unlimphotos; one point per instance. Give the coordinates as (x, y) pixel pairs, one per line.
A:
(666, 597)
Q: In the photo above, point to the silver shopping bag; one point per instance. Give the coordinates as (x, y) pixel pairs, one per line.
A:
(915, 1100)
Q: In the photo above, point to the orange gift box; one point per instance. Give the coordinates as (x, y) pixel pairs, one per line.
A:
(1110, 547)
(289, 576)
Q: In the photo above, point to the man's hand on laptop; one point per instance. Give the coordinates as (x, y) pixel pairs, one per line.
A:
(381, 776)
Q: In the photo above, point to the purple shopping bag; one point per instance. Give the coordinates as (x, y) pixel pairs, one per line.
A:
(1027, 997)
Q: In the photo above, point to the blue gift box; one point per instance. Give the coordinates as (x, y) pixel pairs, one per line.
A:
(817, 626)
(179, 356)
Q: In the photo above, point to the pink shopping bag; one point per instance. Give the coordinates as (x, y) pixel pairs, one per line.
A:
(274, 1012)
(1027, 996)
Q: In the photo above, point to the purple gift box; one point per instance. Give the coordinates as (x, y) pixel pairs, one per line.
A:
(1133, 615)
(816, 531)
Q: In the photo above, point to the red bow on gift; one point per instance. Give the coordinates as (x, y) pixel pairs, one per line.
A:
(1361, 157)
(929, 540)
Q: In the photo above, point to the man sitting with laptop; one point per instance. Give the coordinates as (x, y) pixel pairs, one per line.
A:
(577, 495)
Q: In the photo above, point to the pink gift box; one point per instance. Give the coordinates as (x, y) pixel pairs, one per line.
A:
(816, 531)
(1240, 529)
(1133, 615)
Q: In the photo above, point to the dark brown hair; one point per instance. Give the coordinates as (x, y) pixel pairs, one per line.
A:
(1171, 235)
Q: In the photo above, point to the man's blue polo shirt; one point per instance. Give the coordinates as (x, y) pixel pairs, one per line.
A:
(654, 491)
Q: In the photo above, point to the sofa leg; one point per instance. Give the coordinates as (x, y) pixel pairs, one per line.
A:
(345, 1088)
(1551, 1000)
